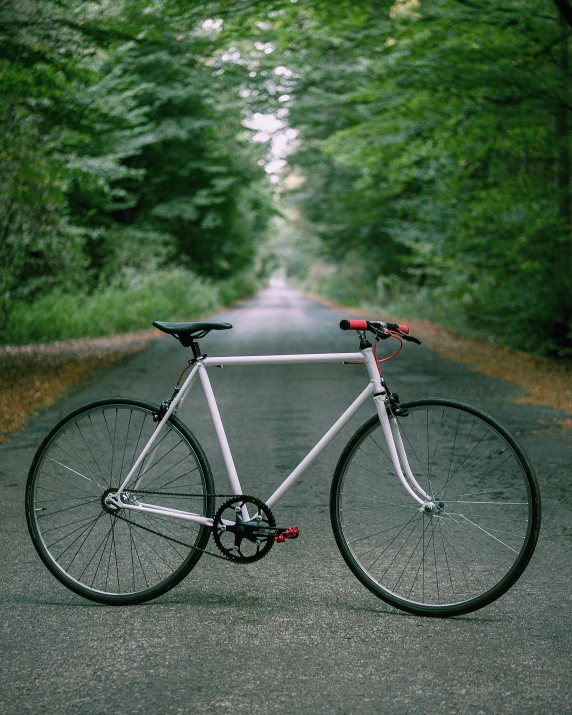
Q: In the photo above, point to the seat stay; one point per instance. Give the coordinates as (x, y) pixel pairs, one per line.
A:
(175, 404)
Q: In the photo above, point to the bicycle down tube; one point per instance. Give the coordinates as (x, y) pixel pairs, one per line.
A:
(374, 389)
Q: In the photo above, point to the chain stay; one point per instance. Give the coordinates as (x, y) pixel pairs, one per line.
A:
(170, 538)
(290, 533)
(180, 494)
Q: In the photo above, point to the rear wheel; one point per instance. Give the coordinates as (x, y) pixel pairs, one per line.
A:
(477, 531)
(109, 555)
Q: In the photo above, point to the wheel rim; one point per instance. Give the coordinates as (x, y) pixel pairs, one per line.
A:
(473, 537)
(107, 553)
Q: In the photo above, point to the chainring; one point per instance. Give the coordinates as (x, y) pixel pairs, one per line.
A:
(243, 540)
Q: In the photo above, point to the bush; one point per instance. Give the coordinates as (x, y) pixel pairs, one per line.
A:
(130, 303)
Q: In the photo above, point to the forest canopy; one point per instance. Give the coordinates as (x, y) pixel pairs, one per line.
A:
(123, 155)
(430, 170)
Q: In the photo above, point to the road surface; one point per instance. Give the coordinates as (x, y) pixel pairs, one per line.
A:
(295, 632)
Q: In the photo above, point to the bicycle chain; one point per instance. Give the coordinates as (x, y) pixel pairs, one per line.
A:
(170, 538)
(179, 494)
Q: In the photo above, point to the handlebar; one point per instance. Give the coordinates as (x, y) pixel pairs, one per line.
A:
(380, 329)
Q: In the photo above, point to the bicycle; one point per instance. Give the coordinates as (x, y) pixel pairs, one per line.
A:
(433, 504)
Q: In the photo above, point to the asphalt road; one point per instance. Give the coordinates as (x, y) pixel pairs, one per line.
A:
(295, 632)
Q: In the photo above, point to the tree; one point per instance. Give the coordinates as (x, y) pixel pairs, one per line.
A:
(434, 140)
(121, 147)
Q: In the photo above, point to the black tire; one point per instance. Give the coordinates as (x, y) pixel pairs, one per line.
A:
(125, 557)
(476, 540)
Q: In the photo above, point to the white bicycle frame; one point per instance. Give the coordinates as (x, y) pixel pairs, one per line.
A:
(374, 389)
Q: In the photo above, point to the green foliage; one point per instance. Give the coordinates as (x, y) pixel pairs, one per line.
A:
(434, 142)
(131, 302)
(434, 146)
(201, 180)
(121, 151)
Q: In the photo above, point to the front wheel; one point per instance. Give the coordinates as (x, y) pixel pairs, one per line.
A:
(118, 556)
(480, 523)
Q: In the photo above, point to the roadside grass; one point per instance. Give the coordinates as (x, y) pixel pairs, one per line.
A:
(62, 338)
(353, 283)
(128, 305)
(34, 376)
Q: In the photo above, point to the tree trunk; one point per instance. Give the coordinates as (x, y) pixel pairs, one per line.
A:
(562, 132)
(562, 329)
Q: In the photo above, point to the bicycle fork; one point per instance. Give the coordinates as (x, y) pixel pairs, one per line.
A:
(391, 431)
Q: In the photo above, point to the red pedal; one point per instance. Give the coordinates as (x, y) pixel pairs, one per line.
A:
(292, 533)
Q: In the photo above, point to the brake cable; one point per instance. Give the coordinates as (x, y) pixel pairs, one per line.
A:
(388, 334)
(385, 359)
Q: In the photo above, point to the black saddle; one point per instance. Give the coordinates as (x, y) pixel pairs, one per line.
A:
(187, 333)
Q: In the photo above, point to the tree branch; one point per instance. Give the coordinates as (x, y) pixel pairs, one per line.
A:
(565, 9)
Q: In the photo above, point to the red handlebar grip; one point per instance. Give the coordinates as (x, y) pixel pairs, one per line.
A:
(353, 324)
(403, 328)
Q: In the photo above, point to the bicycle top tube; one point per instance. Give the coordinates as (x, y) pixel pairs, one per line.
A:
(303, 358)
(381, 331)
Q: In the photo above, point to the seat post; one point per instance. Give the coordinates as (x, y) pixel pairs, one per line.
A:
(196, 349)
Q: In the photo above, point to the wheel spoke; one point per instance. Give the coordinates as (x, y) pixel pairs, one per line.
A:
(459, 551)
(101, 553)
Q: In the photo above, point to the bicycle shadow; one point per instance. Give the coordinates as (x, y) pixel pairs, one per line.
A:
(268, 603)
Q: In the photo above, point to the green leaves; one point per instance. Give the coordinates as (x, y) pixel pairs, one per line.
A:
(117, 150)
(430, 145)
(433, 142)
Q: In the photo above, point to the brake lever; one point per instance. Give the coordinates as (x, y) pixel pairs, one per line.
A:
(410, 339)
(379, 332)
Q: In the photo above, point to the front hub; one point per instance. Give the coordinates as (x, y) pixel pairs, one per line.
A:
(433, 507)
